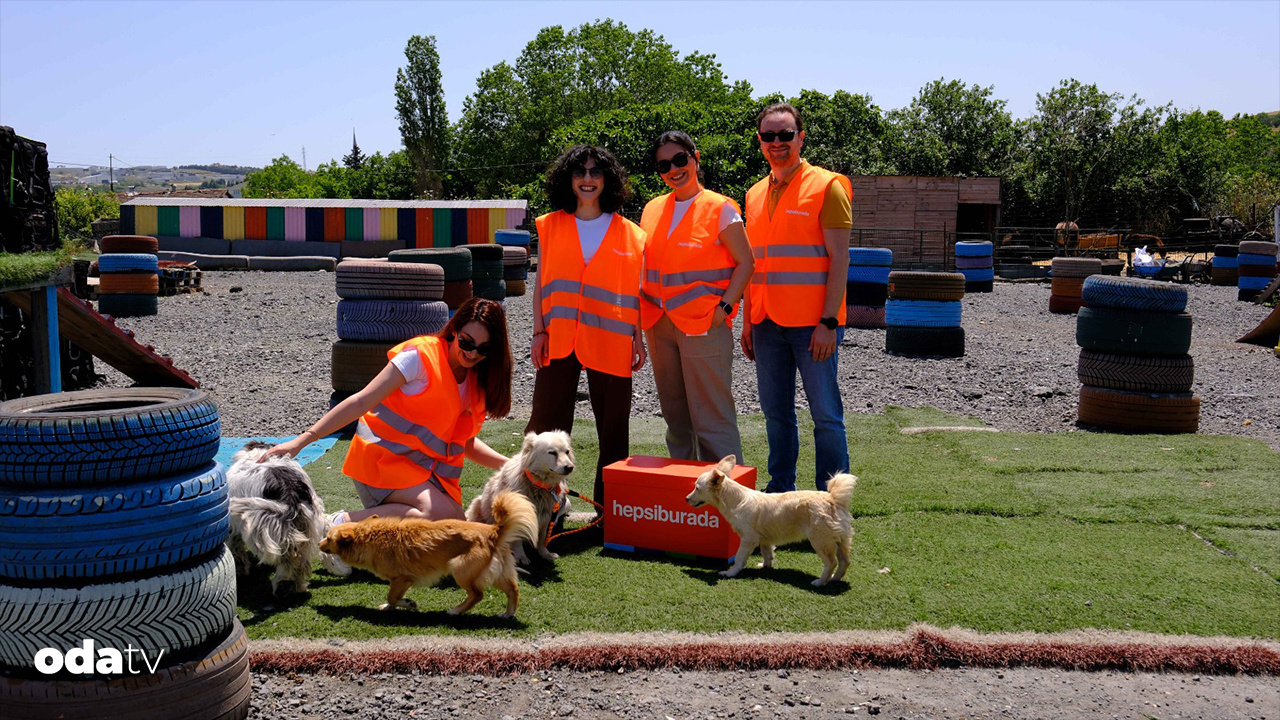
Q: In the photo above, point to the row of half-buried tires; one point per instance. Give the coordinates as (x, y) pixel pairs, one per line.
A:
(113, 516)
(1134, 368)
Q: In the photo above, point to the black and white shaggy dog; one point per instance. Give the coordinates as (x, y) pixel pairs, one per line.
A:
(276, 516)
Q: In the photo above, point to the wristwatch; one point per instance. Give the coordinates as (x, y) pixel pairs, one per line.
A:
(726, 307)
(829, 322)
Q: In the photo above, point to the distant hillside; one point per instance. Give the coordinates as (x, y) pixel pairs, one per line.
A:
(1271, 118)
(222, 169)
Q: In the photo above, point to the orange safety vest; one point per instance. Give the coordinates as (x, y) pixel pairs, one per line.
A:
(790, 282)
(591, 309)
(685, 274)
(408, 439)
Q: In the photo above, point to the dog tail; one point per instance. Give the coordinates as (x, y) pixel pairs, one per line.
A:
(516, 519)
(271, 529)
(841, 489)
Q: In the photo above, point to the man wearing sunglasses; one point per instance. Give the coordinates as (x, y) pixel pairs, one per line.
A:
(798, 220)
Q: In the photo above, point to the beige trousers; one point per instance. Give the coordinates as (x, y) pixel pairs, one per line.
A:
(694, 375)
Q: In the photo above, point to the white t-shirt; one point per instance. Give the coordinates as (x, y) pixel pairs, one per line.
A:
(728, 214)
(409, 363)
(591, 234)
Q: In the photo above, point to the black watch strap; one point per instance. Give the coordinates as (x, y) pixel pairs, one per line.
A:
(726, 307)
(829, 322)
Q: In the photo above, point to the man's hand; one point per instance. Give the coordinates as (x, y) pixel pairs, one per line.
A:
(748, 348)
(822, 344)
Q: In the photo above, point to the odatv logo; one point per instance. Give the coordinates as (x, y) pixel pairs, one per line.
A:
(84, 660)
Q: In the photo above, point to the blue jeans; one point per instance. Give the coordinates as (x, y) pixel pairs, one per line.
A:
(780, 351)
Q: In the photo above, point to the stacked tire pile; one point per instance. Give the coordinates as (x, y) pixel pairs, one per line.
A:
(867, 287)
(487, 270)
(515, 259)
(113, 516)
(1134, 368)
(1224, 267)
(1014, 262)
(975, 260)
(128, 276)
(382, 304)
(454, 262)
(923, 314)
(1256, 267)
(1067, 284)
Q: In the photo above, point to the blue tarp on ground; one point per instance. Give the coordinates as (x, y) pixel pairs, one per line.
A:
(230, 446)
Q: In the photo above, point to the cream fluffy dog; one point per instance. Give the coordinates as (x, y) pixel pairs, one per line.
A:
(413, 551)
(538, 472)
(768, 520)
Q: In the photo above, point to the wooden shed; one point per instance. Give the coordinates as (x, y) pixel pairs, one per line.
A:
(919, 217)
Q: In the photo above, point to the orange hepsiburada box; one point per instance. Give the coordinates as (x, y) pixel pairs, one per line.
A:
(645, 508)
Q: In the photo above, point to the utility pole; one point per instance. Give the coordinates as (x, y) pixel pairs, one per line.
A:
(304, 158)
(111, 173)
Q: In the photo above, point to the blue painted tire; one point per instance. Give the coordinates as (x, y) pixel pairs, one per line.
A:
(106, 436)
(1225, 262)
(973, 263)
(52, 534)
(869, 273)
(978, 275)
(1104, 291)
(922, 313)
(1252, 259)
(878, 257)
(511, 237)
(127, 262)
(967, 248)
(1252, 284)
(389, 320)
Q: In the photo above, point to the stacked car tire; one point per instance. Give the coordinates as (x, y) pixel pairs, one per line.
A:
(128, 276)
(487, 269)
(382, 304)
(867, 287)
(515, 259)
(975, 261)
(456, 264)
(1134, 368)
(1068, 282)
(113, 516)
(1256, 267)
(1224, 267)
(923, 315)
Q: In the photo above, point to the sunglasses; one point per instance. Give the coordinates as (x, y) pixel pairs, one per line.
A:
(783, 135)
(595, 172)
(680, 159)
(468, 345)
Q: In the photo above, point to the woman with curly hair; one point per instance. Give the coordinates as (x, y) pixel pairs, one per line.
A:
(586, 303)
(697, 266)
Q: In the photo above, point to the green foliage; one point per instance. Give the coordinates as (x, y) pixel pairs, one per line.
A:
(283, 178)
(990, 531)
(379, 177)
(950, 129)
(424, 122)
(77, 208)
(354, 159)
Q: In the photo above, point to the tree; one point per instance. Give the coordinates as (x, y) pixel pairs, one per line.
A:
(424, 123)
(283, 178)
(843, 133)
(949, 129)
(505, 136)
(354, 159)
(77, 208)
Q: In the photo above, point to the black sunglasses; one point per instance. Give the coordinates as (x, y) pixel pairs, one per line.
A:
(783, 135)
(680, 159)
(466, 344)
(595, 172)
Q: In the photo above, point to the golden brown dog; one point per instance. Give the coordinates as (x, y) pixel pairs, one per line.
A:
(411, 551)
(768, 520)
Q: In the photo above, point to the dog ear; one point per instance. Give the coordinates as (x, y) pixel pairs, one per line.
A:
(526, 447)
(727, 464)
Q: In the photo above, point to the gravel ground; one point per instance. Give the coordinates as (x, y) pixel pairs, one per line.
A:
(259, 343)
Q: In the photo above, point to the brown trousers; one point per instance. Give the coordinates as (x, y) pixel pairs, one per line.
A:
(555, 393)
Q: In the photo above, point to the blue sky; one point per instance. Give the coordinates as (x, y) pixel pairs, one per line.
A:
(240, 82)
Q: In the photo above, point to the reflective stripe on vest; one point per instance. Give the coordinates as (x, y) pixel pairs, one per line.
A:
(410, 439)
(790, 282)
(590, 309)
(687, 268)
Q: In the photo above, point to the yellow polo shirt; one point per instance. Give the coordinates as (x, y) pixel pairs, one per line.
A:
(837, 208)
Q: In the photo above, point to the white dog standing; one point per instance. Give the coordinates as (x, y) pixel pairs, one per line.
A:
(539, 473)
(767, 520)
(275, 514)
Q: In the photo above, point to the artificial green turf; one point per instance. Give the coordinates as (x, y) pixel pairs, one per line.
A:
(990, 531)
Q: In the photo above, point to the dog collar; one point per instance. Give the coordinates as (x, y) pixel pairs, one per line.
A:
(534, 479)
